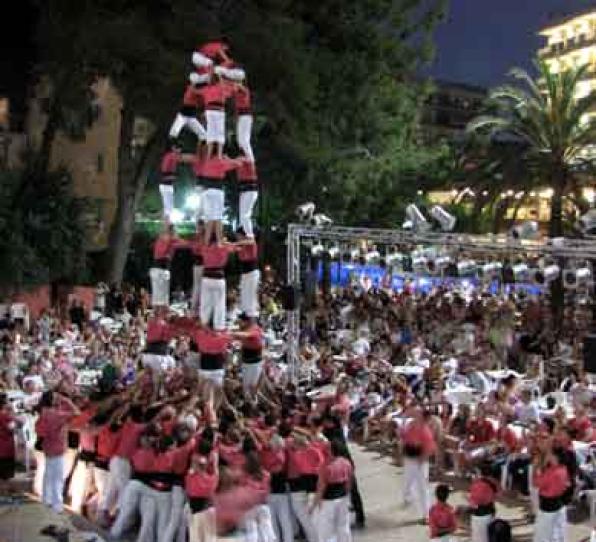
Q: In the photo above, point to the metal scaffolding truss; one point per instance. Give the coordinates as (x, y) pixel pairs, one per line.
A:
(489, 246)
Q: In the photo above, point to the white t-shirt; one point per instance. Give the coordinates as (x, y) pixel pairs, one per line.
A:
(361, 347)
(527, 413)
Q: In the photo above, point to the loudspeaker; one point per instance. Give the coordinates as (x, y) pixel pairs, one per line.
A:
(590, 353)
(290, 298)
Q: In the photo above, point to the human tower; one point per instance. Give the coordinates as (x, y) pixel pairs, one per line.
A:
(215, 82)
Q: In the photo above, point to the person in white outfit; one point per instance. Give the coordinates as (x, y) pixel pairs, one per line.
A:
(552, 481)
(51, 428)
(250, 277)
(418, 445)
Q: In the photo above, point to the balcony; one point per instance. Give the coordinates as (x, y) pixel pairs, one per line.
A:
(572, 44)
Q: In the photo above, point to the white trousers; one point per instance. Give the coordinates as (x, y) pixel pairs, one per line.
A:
(181, 121)
(249, 293)
(167, 199)
(416, 482)
(158, 363)
(118, 477)
(40, 462)
(215, 376)
(251, 373)
(160, 286)
(213, 204)
(216, 126)
(202, 526)
(197, 275)
(80, 484)
(100, 476)
(213, 302)
(281, 516)
(130, 501)
(551, 526)
(163, 505)
(53, 482)
(176, 523)
(479, 526)
(246, 205)
(334, 521)
(300, 505)
(446, 538)
(148, 509)
(243, 134)
(258, 526)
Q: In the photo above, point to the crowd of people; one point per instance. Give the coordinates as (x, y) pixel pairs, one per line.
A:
(190, 438)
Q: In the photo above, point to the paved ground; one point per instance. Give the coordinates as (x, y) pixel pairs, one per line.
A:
(379, 483)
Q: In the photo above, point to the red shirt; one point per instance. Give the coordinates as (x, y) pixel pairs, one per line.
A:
(158, 330)
(129, 439)
(169, 162)
(214, 169)
(552, 481)
(480, 432)
(143, 459)
(107, 442)
(482, 493)
(242, 100)
(165, 246)
(212, 49)
(216, 256)
(248, 253)
(253, 341)
(193, 96)
(260, 486)
(201, 484)
(337, 471)
(419, 435)
(304, 461)
(507, 436)
(231, 454)
(211, 342)
(582, 427)
(247, 172)
(52, 427)
(273, 460)
(7, 448)
(214, 96)
(441, 520)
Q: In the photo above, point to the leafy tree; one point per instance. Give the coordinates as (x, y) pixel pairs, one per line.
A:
(548, 117)
(44, 230)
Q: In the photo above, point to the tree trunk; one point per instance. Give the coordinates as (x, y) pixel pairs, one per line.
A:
(132, 176)
(557, 292)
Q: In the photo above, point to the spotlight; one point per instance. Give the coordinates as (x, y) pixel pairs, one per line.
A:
(526, 230)
(193, 201)
(419, 264)
(334, 253)
(176, 216)
(466, 267)
(446, 221)
(372, 257)
(491, 269)
(317, 249)
(520, 272)
(546, 275)
(587, 223)
(577, 276)
(416, 217)
(305, 211)
(321, 220)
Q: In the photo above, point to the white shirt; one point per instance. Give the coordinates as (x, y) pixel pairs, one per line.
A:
(527, 413)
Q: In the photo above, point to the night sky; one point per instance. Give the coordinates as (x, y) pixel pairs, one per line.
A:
(482, 39)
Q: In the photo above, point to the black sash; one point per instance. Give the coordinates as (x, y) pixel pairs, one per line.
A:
(199, 504)
(159, 348)
(250, 356)
(412, 450)
(550, 504)
(484, 510)
(212, 362)
(279, 482)
(214, 274)
(248, 266)
(334, 491)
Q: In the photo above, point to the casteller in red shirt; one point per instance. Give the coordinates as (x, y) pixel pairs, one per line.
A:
(441, 520)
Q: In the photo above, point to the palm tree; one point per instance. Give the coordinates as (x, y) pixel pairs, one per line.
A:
(551, 121)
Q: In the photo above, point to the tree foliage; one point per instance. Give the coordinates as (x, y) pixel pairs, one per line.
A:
(43, 230)
(546, 114)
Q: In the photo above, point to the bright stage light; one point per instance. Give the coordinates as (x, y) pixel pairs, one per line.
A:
(176, 216)
(193, 201)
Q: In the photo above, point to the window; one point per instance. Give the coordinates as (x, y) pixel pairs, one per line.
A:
(100, 163)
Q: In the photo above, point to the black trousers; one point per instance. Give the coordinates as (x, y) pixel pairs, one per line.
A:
(356, 501)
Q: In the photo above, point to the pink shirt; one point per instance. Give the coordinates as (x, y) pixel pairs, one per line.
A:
(129, 438)
(52, 427)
